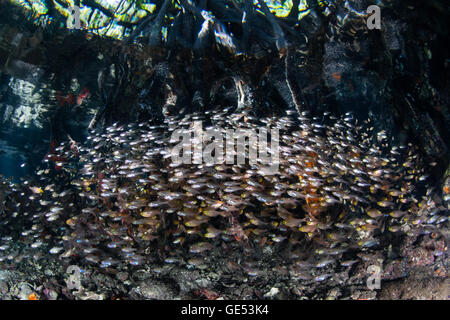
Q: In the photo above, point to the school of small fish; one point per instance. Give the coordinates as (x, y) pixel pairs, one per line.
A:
(341, 187)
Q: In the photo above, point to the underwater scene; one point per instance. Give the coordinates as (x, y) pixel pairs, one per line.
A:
(224, 150)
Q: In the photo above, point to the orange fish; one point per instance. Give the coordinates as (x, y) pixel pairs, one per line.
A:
(82, 95)
(336, 76)
(32, 296)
